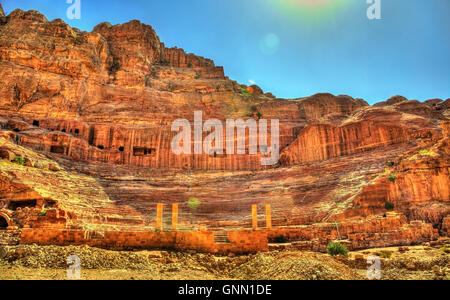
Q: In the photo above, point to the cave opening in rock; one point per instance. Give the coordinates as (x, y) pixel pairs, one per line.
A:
(49, 203)
(16, 130)
(3, 223)
(142, 151)
(77, 131)
(58, 149)
(121, 149)
(14, 205)
(36, 123)
(63, 130)
(100, 147)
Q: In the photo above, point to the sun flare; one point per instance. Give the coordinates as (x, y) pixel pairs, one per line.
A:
(310, 8)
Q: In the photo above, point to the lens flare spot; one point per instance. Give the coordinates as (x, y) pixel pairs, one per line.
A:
(269, 44)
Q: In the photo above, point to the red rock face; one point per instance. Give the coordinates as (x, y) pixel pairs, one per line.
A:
(322, 107)
(322, 142)
(91, 114)
(446, 226)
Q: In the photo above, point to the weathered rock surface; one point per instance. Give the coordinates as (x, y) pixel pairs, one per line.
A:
(90, 114)
(446, 226)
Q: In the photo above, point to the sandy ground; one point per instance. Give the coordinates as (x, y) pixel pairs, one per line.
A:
(49, 263)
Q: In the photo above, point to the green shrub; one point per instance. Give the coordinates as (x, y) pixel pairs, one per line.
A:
(19, 160)
(245, 92)
(280, 240)
(389, 206)
(335, 249)
(43, 213)
(193, 203)
(189, 65)
(390, 164)
(197, 76)
(392, 177)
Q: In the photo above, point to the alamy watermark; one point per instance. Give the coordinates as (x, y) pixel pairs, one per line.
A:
(74, 10)
(374, 10)
(374, 270)
(74, 269)
(235, 131)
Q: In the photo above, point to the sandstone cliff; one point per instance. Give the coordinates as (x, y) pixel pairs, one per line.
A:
(90, 114)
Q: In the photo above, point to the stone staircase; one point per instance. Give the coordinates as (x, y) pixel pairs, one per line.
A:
(221, 237)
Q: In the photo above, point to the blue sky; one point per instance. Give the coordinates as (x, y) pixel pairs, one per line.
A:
(292, 49)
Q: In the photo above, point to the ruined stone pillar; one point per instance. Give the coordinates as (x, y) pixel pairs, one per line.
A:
(159, 215)
(174, 217)
(255, 217)
(268, 217)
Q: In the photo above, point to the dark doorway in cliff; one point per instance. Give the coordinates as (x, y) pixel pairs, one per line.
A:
(36, 123)
(101, 147)
(121, 149)
(142, 151)
(58, 149)
(3, 223)
(91, 136)
(14, 205)
(77, 131)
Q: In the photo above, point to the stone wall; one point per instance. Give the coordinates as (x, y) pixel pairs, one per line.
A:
(375, 232)
(245, 241)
